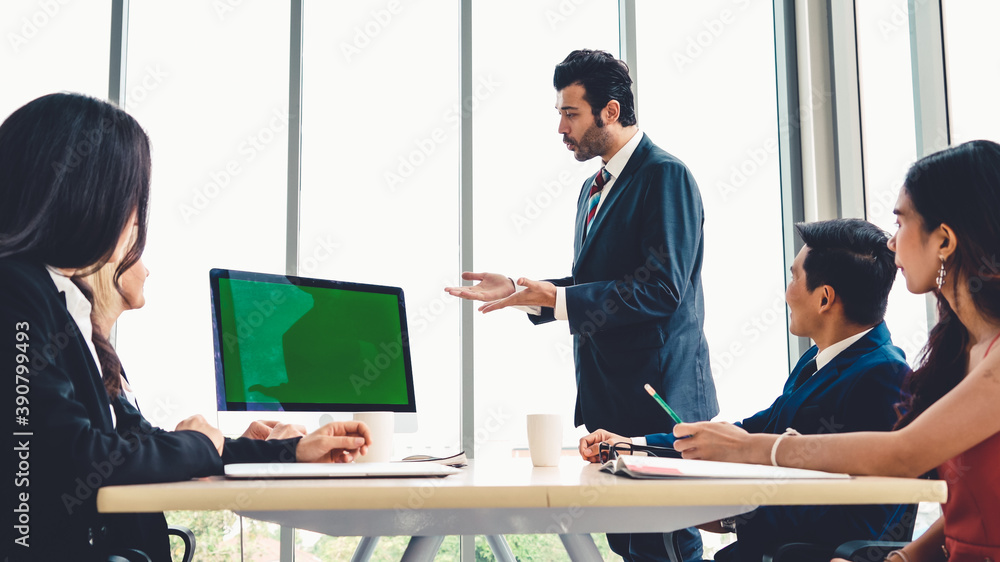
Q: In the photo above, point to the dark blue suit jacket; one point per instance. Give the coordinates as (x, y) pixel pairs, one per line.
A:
(635, 300)
(855, 391)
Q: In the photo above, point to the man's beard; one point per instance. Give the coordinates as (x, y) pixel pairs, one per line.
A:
(595, 141)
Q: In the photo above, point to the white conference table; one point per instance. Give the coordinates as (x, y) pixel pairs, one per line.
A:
(504, 497)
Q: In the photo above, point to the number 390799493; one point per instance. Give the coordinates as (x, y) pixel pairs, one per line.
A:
(21, 372)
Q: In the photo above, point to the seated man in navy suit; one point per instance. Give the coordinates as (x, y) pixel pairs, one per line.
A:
(849, 381)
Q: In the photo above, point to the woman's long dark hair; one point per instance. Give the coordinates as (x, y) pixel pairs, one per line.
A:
(960, 187)
(73, 170)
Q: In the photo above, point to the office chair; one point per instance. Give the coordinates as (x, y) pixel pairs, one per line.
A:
(862, 551)
(856, 551)
(186, 535)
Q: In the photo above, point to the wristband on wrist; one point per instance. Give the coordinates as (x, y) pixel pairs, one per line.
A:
(774, 448)
(899, 555)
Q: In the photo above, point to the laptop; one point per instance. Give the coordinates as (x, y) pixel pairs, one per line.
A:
(338, 470)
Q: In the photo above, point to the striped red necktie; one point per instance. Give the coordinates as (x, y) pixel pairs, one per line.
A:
(594, 198)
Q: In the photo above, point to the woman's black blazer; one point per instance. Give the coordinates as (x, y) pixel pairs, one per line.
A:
(63, 445)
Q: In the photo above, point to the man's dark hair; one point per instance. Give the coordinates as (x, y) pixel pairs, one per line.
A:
(603, 77)
(851, 256)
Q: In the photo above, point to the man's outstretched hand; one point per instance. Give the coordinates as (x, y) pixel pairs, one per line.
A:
(537, 293)
(499, 292)
(491, 287)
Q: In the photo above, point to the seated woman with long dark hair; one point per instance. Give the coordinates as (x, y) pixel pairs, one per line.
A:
(948, 243)
(74, 187)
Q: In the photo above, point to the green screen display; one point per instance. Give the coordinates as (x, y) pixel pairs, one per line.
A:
(299, 346)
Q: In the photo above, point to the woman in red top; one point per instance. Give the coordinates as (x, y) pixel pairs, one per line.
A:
(947, 242)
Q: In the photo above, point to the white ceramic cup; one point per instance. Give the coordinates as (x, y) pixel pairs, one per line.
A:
(382, 425)
(545, 439)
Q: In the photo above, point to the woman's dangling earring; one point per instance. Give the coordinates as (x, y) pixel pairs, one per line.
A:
(941, 275)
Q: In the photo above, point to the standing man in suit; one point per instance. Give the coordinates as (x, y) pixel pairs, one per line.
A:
(634, 301)
(849, 381)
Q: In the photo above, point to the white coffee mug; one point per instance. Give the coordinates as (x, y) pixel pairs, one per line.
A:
(382, 426)
(545, 439)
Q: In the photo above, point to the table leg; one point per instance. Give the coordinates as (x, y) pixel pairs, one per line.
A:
(501, 550)
(365, 549)
(422, 549)
(581, 548)
(287, 544)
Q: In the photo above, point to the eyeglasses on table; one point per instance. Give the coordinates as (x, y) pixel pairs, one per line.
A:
(607, 451)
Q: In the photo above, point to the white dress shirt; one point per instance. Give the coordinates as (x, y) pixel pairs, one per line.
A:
(828, 354)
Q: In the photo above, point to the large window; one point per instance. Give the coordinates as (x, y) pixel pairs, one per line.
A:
(53, 47)
(524, 227)
(526, 187)
(889, 148)
(707, 94)
(973, 68)
(212, 91)
(380, 188)
(889, 144)
(380, 178)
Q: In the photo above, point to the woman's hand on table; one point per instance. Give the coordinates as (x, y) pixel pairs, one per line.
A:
(334, 442)
(198, 423)
(270, 429)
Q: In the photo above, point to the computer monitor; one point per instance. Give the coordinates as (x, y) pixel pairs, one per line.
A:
(313, 349)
